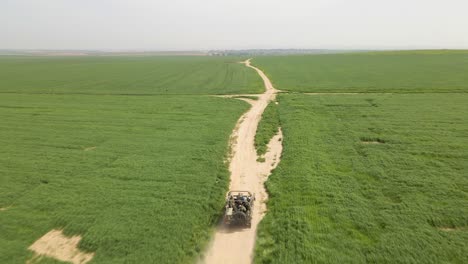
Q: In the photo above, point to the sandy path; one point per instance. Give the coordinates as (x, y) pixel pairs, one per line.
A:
(237, 245)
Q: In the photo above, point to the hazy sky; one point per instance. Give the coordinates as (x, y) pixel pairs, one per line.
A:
(232, 24)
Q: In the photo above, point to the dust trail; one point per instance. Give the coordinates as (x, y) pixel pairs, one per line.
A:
(237, 245)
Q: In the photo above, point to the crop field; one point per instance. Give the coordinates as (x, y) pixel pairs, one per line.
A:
(129, 154)
(140, 178)
(368, 177)
(127, 75)
(267, 128)
(405, 72)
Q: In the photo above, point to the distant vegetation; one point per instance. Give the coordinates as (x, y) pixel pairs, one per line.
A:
(394, 71)
(127, 75)
(262, 52)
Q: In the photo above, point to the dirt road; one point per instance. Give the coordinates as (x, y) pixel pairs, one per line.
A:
(237, 245)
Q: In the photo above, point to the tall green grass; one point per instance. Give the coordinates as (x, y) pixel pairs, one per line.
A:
(396, 71)
(267, 128)
(127, 75)
(141, 178)
(335, 199)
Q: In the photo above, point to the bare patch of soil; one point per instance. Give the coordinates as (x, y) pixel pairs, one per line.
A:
(89, 148)
(451, 229)
(371, 142)
(56, 245)
(4, 208)
(447, 229)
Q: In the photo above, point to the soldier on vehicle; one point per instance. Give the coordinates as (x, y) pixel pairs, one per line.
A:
(242, 208)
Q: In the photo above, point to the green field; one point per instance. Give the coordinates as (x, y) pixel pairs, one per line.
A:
(400, 72)
(336, 198)
(267, 128)
(368, 178)
(128, 152)
(127, 75)
(140, 178)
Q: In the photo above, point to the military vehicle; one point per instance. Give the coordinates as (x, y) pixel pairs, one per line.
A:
(238, 208)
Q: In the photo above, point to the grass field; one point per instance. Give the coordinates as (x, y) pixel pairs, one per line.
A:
(405, 72)
(369, 179)
(267, 128)
(128, 153)
(140, 178)
(127, 75)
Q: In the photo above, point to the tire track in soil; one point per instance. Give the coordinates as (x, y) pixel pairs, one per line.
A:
(236, 245)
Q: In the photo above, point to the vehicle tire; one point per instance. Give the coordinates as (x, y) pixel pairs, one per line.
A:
(239, 217)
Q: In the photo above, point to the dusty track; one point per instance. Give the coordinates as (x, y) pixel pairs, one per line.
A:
(237, 245)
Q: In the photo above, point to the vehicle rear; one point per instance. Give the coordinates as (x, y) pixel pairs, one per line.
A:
(238, 208)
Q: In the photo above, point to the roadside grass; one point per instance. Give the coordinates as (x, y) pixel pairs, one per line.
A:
(393, 71)
(333, 199)
(267, 128)
(127, 75)
(255, 98)
(140, 178)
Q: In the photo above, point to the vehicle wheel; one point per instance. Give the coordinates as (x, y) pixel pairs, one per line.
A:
(239, 217)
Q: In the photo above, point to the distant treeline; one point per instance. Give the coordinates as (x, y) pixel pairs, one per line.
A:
(260, 52)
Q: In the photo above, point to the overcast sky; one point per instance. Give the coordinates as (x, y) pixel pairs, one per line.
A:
(232, 24)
